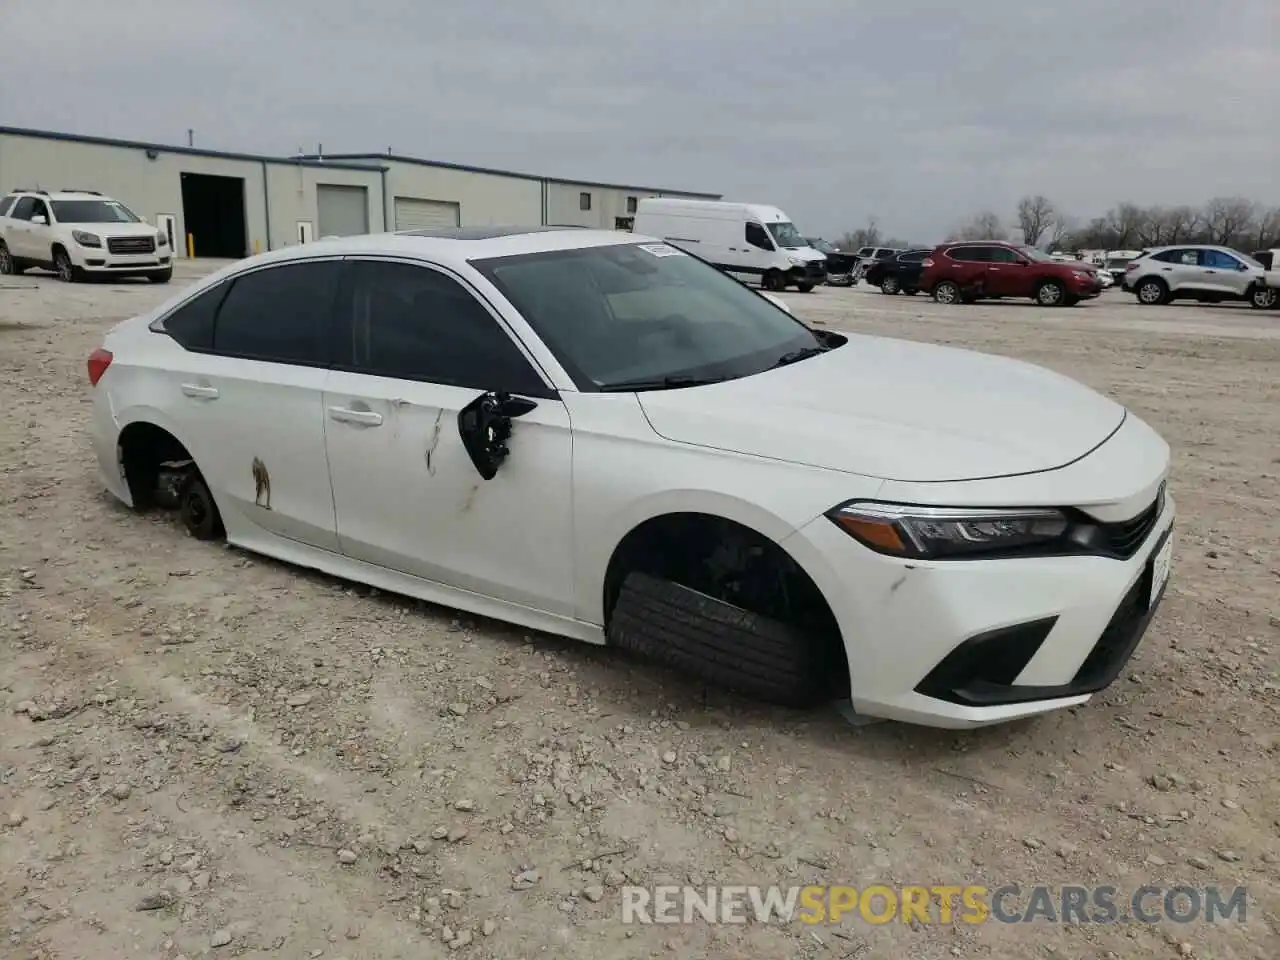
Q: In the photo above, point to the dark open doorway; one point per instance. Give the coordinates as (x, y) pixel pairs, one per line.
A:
(213, 211)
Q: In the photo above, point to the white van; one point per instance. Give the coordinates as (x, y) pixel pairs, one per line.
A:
(745, 240)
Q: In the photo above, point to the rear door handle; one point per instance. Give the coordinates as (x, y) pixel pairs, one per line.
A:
(363, 418)
(200, 391)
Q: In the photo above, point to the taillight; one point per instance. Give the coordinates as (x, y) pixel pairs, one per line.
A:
(926, 262)
(99, 360)
(1130, 266)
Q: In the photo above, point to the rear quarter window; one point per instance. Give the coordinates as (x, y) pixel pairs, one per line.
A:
(5, 204)
(191, 325)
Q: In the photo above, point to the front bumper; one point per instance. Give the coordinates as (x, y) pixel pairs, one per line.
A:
(969, 643)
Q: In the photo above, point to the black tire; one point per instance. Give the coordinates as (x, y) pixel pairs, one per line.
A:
(804, 287)
(666, 623)
(1151, 291)
(1263, 298)
(889, 286)
(775, 281)
(947, 292)
(9, 267)
(198, 510)
(67, 271)
(163, 276)
(1051, 293)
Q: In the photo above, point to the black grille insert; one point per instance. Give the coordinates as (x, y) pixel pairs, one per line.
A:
(131, 244)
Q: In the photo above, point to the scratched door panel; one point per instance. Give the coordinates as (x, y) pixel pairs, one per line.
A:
(409, 498)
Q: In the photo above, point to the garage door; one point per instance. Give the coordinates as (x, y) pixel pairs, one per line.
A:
(415, 214)
(342, 211)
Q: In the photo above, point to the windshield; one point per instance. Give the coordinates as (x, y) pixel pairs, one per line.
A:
(92, 211)
(639, 312)
(786, 235)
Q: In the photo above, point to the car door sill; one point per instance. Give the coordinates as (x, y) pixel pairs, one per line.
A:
(392, 581)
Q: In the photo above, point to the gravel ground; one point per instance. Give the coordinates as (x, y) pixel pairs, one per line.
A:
(204, 753)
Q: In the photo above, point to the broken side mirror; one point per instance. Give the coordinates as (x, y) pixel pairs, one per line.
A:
(485, 427)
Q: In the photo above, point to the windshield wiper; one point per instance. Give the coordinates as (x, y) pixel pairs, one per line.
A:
(804, 353)
(658, 383)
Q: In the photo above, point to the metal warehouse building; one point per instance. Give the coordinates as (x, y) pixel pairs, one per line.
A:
(234, 204)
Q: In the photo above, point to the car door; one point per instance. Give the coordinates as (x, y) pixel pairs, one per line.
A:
(1180, 268)
(757, 251)
(39, 239)
(1008, 275)
(18, 236)
(416, 351)
(1223, 273)
(248, 392)
(966, 266)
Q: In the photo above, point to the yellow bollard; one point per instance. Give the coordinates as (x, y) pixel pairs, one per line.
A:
(256, 248)
(191, 245)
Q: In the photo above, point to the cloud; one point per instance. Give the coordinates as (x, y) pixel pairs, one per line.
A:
(916, 111)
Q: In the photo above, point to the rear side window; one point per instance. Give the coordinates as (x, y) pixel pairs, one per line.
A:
(414, 323)
(5, 204)
(1187, 258)
(916, 256)
(968, 254)
(281, 314)
(191, 325)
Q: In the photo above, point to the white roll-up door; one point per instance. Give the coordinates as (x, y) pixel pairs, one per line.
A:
(415, 214)
(342, 211)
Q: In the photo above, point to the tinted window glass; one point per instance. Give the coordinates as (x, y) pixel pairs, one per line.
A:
(414, 323)
(915, 256)
(93, 211)
(758, 237)
(1218, 260)
(192, 323)
(41, 210)
(5, 204)
(967, 254)
(625, 312)
(1002, 255)
(23, 209)
(280, 313)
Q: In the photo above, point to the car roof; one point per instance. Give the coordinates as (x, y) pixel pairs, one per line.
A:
(59, 194)
(449, 247)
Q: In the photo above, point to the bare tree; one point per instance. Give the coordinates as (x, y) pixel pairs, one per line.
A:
(983, 226)
(1035, 216)
(1267, 229)
(1228, 217)
(1179, 223)
(1060, 228)
(866, 236)
(1124, 222)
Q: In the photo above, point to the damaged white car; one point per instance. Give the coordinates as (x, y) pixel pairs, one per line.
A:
(600, 436)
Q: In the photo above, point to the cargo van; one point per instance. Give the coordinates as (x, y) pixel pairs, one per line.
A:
(745, 240)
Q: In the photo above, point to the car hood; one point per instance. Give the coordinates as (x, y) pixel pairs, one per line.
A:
(896, 410)
(804, 253)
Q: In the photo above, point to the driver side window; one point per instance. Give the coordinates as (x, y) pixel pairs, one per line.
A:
(413, 323)
(1003, 255)
(757, 236)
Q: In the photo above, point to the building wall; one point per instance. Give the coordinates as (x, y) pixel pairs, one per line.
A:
(564, 204)
(291, 189)
(483, 199)
(147, 187)
(151, 187)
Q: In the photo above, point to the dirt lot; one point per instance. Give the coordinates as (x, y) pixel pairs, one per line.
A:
(206, 753)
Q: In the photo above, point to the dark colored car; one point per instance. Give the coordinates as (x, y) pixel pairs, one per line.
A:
(839, 264)
(899, 273)
(965, 272)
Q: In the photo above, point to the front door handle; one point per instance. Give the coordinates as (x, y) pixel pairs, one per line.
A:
(201, 391)
(993, 268)
(363, 418)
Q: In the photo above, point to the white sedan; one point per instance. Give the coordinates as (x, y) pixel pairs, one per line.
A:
(596, 435)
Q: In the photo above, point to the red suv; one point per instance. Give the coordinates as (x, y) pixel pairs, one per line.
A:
(964, 272)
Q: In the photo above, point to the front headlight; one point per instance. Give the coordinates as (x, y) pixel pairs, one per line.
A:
(86, 239)
(798, 261)
(1082, 275)
(940, 532)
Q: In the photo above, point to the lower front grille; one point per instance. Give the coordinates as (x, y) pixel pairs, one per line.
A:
(123, 245)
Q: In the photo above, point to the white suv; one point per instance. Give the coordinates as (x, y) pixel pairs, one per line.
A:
(1209, 274)
(78, 233)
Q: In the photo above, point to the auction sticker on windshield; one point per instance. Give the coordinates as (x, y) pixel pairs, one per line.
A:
(661, 250)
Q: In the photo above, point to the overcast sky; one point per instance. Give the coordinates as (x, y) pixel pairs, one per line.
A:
(915, 111)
